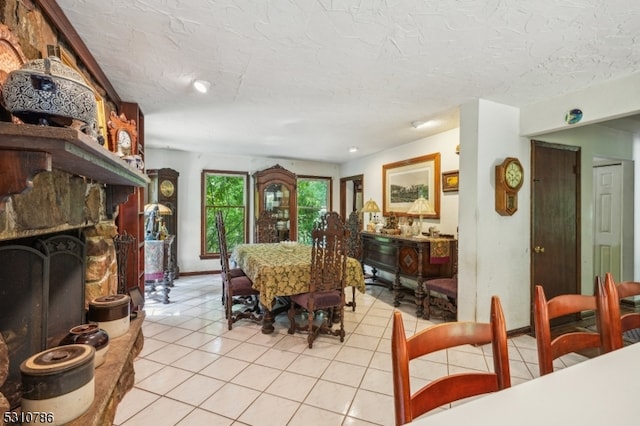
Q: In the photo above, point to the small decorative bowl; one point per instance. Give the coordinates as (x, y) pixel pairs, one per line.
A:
(288, 244)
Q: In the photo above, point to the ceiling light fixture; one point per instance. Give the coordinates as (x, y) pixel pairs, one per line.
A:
(202, 86)
(353, 149)
(421, 124)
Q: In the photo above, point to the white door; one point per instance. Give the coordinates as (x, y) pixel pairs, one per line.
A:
(607, 185)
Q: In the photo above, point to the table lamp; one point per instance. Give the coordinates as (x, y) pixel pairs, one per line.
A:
(162, 209)
(370, 207)
(421, 207)
(153, 225)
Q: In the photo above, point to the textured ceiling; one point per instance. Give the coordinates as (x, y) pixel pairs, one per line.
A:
(308, 79)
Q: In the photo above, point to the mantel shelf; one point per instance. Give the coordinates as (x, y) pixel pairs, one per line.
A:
(27, 149)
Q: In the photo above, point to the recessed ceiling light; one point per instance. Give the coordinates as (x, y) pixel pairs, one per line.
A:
(422, 124)
(202, 86)
(353, 149)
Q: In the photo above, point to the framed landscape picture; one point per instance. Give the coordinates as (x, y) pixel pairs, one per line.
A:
(405, 181)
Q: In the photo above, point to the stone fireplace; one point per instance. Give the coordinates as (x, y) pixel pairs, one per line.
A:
(57, 254)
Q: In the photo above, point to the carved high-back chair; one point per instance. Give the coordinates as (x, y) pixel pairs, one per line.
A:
(237, 288)
(544, 311)
(411, 404)
(266, 231)
(620, 323)
(327, 282)
(354, 248)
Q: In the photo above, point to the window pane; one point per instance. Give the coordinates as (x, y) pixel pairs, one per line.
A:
(313, 200)
(224, 191)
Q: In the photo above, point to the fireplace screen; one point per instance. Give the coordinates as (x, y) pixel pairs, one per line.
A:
(41, 298)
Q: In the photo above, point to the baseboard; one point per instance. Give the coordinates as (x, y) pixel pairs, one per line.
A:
(190, 274)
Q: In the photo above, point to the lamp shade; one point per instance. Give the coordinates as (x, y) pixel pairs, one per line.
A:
(421, 207)
(162, 209)
(370, 207)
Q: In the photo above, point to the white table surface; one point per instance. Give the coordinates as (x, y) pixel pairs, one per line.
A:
(601, 391)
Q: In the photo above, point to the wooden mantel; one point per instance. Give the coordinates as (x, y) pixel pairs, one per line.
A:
(27, 149)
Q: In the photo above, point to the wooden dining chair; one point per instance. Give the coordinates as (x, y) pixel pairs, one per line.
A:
(354, 248)
(554, 345)
(454, 387)
(266, 230)
(237, 288)
(327, 282)
(620, 323)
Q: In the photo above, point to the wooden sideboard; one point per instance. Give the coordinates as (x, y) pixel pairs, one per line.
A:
(409, 257)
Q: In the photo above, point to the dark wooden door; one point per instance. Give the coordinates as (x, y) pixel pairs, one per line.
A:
(555, 219)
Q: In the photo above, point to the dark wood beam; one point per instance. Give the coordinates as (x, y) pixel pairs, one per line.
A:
(59, 20)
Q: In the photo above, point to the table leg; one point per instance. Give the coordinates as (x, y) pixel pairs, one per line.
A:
(279, 305)
(267, 321)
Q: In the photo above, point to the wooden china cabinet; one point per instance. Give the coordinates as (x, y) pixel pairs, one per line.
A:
(275, 191)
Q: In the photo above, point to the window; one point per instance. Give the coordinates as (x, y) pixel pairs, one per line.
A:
(229, 192)
(314, 199)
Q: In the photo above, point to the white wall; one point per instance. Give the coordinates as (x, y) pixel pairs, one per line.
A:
(190, 166)
(493, 250)
(371, 167)
(613, 99)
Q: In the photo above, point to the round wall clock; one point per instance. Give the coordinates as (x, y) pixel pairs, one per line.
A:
(509, 179)
(513, 174)
(167, 188)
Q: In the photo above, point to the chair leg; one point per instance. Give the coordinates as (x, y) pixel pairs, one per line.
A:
(353, 298)
(427, 305)
(228, 311)
(312, 335)
(291, 314)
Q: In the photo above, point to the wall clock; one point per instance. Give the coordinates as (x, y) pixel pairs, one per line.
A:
(509, 179)
(167, 188)
(123, 135)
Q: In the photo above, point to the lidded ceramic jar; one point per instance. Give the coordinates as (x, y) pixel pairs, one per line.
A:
(45, 91)
(89, 334)
(111, 313)
(60, 381)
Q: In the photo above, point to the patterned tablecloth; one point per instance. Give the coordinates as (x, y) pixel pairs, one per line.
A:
(277, 270)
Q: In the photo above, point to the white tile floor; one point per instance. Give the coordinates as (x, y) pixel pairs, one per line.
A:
(193, 371)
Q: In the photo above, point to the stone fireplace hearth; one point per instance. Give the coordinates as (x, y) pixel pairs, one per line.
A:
(57, 253)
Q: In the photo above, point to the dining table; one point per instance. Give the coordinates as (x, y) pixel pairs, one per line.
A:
(599, 391)
(283, 269)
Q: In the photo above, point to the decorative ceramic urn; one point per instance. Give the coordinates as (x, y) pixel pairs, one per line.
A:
(45, 91)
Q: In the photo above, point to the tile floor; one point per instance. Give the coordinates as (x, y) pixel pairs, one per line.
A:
(193, 371)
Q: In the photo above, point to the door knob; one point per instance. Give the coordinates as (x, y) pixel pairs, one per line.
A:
(538, 249)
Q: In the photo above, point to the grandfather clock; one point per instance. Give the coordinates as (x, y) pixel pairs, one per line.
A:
(163, 189)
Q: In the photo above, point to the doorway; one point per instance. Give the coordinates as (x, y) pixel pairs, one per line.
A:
(555, 220)
(613, 218)
(607, 189)
(351, 194)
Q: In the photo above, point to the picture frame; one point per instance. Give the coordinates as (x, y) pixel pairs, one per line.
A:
(405, 181)
(450, 181)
